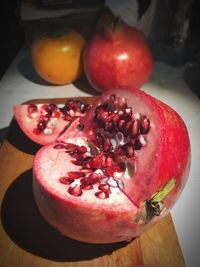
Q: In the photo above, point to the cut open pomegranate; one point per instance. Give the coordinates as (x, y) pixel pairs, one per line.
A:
(115, 171)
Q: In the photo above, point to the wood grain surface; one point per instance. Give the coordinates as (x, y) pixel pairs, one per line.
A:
(26, 239)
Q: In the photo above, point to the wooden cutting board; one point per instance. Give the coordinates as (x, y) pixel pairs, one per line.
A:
(26, 239)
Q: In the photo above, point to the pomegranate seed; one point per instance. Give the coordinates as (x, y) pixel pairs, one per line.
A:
(107, 146)
(113, 98)
(120, 113)
(108, 126)
(59, 146)
(91, 179)
(88, 181)
(56, 113)
(102, 116)
(135, 128)
(121, 124)
(115, 119)
(41, 125)
(105, 188)
(137, 145)
(75, 175)
(122, 166)
(102, 195)
(129, 150)
(72, 149)
(82, 149)
(77, 162)
(110, 117)
(87, 187)
(50, 108)
(110, 160)
(128, 126)
(98, 140)
(67, 117)
(75, 155)
(128, 111)
(66, 180)
(144, 124)
(86, 171)
(75, 190)
(32, 108)
(83, 107)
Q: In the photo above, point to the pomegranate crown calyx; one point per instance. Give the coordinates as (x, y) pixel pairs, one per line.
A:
(162, 193)
(115, 26)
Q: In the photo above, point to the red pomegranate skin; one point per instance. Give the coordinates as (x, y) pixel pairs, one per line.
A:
(117, 59)
(127, 212)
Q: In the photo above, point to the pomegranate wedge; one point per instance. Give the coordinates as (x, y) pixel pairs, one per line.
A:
(43, 123)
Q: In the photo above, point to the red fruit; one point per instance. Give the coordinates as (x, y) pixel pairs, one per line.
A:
(118, 57)
(43, 123)
(138, 181)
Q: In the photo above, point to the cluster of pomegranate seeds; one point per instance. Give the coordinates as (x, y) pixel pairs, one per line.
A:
(74, 108)
(48, 114)
(94, 170)
(117, 133)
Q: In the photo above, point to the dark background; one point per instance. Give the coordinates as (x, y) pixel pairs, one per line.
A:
(12, 37)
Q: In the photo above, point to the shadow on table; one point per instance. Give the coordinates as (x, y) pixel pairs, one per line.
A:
(26, 227)
(191, 76)
(26, 69)
(18, 139)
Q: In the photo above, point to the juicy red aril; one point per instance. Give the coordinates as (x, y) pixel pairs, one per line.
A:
(144, 124)
(66, 180)
(107, 146)
(41, 125)
(32, 109)
(86, 186)
(82, 149)
(102, 195)
(86, 171)
(59, 146)
(90, 180)
(72, 149)
(137, 145)
(105, 188)
(67, 117)
(75, 175)
(121, 124)
(135, 128)
(77, 162)
(50, 108)
(75, 190)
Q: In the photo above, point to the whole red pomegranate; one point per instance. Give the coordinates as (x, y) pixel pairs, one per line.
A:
(117, 57)
(114, 172)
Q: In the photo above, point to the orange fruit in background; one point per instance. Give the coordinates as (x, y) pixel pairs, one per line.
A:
(57, 57)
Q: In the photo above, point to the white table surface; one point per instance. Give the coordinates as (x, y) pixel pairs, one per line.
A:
(20, 83)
